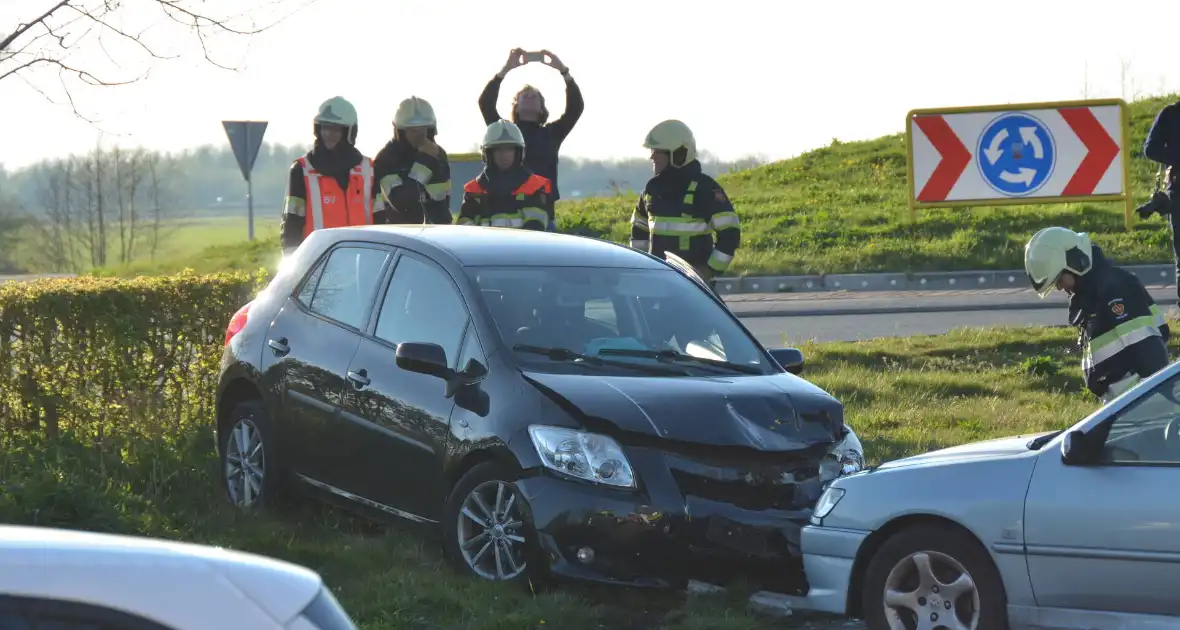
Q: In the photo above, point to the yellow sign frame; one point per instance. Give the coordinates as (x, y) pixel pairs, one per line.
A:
(1124, 115)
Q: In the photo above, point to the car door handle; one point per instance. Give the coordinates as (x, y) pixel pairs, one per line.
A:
(359, 379)
(278, 346)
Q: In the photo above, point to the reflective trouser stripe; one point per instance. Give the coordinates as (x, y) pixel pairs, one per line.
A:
(719, 261)
(1117, 388)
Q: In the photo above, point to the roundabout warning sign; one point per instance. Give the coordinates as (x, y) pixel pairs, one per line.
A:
(1019, 154)
(1015, 154)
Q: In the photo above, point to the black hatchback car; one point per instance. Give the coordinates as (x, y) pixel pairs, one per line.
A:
(554, 405)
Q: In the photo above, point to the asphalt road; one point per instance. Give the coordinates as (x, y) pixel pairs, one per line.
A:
(770, 331)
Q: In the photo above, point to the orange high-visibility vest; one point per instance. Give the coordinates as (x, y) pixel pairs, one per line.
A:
(329, 207)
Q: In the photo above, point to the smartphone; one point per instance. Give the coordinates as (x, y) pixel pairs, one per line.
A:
(530, 57)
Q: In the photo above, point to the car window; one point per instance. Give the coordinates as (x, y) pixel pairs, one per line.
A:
(422, 305)
(347, 284)
(471, 350)
(27, 613)
(307, 291)
(602, 311)
(596, 310)
(1147, 431)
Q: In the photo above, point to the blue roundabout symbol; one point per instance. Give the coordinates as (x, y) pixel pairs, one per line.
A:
(1016, 154)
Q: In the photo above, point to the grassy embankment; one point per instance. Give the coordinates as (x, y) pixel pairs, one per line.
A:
(903, 396)
(838, 209)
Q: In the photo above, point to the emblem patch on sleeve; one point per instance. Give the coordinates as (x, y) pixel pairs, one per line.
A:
(1118, 308)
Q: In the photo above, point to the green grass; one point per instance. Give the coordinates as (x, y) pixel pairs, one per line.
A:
(902, 395)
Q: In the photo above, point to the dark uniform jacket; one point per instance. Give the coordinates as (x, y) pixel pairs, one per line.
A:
(542, 140)
(1121, 330)
(335, 164)
(1163, 146)
(415, 187)
(515, 198)
(679, 211)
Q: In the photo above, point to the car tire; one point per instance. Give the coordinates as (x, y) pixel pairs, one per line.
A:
(258, 483)
(471, 546)
(979, 602)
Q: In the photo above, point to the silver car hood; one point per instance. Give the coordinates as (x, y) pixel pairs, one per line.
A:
(1001, 448)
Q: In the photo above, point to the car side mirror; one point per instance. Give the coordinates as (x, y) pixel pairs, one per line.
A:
(790, 358)
(423, 358)
(1077, 448)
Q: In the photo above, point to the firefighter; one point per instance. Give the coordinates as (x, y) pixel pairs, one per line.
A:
(506, 193)
(413, 175)
(681, 208)
(1121, 332)
(332, 184)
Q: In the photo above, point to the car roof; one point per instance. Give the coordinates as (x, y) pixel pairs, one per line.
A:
(482, 246)
(181, 585)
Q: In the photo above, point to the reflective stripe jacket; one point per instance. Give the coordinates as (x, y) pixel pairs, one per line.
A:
(679, 211)
(528, 206)
(415, 186)
(316, 201)
(1122, 332)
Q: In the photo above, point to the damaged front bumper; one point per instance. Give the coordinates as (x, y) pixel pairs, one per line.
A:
(710, 515)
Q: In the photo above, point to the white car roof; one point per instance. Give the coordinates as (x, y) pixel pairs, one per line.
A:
(183, 586)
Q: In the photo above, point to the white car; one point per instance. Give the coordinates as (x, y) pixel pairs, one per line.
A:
(74, 580)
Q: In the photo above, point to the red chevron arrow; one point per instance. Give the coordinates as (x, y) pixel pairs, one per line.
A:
(1101, 151)
(955, 157)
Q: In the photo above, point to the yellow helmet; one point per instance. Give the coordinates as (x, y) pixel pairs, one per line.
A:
(675, 137)
(414, 112)
(1054, 250)
(337, 111)
(502, 133)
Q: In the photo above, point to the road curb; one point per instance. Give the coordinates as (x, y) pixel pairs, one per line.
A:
(909, 309)
(911, 281)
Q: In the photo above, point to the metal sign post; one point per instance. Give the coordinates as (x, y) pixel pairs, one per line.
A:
(245, 138)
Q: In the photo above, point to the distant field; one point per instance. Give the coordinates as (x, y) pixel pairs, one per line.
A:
(188, 239)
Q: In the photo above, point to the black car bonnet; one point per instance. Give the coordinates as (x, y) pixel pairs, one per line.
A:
(777, 412)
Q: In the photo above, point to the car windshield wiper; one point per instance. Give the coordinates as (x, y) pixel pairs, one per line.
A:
(565, 354)
(673, 355)
(1035, 444)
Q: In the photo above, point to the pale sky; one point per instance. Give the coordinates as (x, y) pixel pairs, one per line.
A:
(749, 77)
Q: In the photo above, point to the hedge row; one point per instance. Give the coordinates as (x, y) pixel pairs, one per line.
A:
(111, 357)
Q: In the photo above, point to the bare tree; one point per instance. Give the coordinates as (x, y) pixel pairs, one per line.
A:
(57, 241)
(49, 40)
(160, 171)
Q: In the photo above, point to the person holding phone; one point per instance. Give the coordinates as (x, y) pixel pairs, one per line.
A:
(542, 138)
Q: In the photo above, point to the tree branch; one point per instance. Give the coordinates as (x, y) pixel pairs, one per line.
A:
(22, 28)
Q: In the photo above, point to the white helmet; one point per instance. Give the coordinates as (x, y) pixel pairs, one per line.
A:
(338, 111)
(1054, 250)
(414, 112)
(674, 137)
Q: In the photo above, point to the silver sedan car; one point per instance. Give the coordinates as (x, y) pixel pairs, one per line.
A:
(1076, 529)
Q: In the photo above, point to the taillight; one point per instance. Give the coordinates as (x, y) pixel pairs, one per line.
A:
(237, 323)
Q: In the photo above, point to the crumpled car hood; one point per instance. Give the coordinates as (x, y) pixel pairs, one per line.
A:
(779, 412)
(999, 448)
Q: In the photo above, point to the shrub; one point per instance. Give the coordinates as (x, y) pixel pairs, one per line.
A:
(100, 358)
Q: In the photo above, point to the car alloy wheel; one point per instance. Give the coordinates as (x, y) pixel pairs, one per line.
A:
(245, 463)
(928, 589)
(491, 531)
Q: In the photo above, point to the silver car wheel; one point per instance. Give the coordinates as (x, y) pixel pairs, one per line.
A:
(245, 464)
(490, 532)
(928, 590)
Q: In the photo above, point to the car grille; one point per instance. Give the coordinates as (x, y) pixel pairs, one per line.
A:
(756, 482)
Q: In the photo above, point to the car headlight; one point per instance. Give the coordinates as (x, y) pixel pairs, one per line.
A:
(844, 458)
(827, 502)
(588, 456)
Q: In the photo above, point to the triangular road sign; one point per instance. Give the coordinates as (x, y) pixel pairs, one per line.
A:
(245, 138)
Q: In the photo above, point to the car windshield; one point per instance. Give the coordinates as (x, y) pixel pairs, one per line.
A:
(633, 322)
